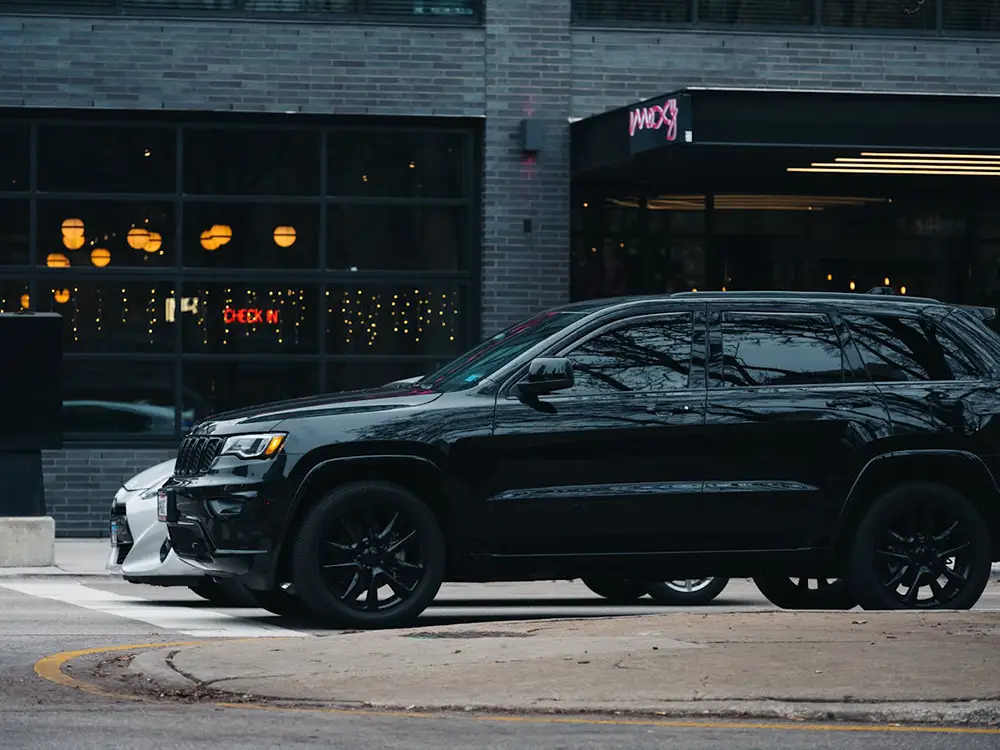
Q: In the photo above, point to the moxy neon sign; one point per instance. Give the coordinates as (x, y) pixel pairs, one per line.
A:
(249, 316)
(656, 117)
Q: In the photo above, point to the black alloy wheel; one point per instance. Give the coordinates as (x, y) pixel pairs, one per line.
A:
(806, 593)
(921, 546)
(687, 592)
(369, 555)
(617, 590)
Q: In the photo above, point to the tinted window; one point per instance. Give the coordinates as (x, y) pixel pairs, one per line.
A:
(780, 349)
(898, 349)
(649, 356)
(485, 359)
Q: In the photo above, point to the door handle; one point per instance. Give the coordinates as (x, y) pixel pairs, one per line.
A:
(849, 401)
(685, 409)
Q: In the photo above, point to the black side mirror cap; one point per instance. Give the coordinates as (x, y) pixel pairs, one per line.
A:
(547, 375)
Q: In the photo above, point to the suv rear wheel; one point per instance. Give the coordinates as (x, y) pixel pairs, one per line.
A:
(806, 593)
(921, 545)
(369, 555)
(687, 592)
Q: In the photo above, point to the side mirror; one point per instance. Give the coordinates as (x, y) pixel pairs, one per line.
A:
(546, 375)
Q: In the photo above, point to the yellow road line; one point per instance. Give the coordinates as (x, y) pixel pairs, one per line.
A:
(51, 668)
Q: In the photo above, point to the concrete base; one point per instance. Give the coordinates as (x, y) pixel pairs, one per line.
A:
(28, 542)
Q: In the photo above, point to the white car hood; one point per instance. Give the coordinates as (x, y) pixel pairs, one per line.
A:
(151, 477)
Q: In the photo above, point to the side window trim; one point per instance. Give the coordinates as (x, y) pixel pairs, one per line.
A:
(716, 342)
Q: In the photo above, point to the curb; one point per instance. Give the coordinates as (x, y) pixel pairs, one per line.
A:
(154, 670)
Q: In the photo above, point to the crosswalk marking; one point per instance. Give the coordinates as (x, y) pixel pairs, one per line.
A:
(196, 622)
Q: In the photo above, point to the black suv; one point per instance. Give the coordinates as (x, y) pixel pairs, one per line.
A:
(848, 439)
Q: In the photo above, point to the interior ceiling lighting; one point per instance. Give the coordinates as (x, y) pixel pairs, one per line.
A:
(874, 162)
(741, 202)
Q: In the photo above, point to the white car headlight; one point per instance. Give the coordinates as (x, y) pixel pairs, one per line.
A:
(263, 445)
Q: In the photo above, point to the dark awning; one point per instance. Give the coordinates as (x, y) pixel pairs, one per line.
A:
(636, 141)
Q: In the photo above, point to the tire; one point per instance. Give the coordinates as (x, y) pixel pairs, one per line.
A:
(234, 593)
(689, 592)
(927, 538)
(207, 589)
(798, 593)
(616, 591)
(281, 603)
(373, 536)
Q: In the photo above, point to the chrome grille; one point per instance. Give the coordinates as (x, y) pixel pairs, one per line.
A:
(196, 455)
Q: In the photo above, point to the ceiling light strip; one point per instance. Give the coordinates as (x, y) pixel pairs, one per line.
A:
(930, 156)
(846, 170)
(925, 162)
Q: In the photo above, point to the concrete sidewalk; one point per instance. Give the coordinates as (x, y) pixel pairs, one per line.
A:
(74, 557)
(858, 666)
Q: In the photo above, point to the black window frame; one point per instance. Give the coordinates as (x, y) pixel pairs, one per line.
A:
(817, 26)
(849, 364)
(40, 278)
(120, 8)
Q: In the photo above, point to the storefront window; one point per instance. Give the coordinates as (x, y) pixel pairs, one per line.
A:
(14, 220)
(110, 316)
(118, 398)
(14, 295)
(761, 13)
(418, 319)
(880, 14)
(971, 15)
(251, 235)
(105, 159)
(245, 161)
(244, 318)
(14, 157)
(215, 250)
(105, 234)
(392, 163)
(213, 387)
(407, 238)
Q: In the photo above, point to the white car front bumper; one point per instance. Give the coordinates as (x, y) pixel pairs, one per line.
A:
(139, 550)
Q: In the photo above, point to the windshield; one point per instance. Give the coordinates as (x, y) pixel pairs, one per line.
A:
(489, 356)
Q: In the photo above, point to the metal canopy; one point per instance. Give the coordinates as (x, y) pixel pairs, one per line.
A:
(634, 142)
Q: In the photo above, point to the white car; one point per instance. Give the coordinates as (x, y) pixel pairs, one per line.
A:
(140, 549)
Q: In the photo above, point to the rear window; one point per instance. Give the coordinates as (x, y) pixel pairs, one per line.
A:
(910, 348)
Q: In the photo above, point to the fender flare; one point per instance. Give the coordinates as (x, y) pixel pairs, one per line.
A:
(303, 488)
(855, 496)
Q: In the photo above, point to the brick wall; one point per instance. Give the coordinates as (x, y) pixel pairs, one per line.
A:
(240, 66)
(528, 73)
(81, 482)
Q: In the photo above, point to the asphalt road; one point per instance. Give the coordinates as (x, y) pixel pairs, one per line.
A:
(39, 617)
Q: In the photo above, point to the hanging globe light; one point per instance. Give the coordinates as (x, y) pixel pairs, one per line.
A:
(284, 236)
(137, 238)
(100, 257)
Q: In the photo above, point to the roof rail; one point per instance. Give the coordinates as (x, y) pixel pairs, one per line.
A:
(784, 294)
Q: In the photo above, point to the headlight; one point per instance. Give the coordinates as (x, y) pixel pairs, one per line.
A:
(150, 493)
(253, 446)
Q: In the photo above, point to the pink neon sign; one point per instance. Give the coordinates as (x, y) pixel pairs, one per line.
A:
(657, 117)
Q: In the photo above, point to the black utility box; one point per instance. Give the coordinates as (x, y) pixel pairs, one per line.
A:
(30, 407)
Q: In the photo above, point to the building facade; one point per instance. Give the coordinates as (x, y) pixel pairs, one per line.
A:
(232, 201)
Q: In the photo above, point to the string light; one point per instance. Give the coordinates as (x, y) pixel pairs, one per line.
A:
(411, 316)
(73, 322)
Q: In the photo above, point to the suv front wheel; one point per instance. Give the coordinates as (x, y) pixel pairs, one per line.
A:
(921, 545)
(368, 555)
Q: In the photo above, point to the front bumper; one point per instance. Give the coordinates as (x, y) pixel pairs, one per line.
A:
(226, 523)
